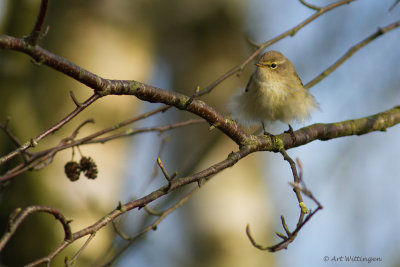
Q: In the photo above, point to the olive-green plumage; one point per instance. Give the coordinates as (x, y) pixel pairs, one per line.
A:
(274, 92)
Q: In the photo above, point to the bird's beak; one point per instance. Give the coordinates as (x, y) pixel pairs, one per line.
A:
(258, 65)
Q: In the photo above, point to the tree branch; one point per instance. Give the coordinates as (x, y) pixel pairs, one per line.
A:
(35, 159)
(305, 135)
(320, 131)
(153, 226)
(34, 141)
(350, 52)
(304, 213)
(289, 32)
(316, 8)
(153, 94)
(34, 36)
(18, 216)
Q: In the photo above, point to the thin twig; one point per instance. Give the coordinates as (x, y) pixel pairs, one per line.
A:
(131, 132)
(166, 175)
(19, 215)
(376, 122)
(164, 171)
(300, 167)
(147, 92)
(306, 192)
(294, 172)
(54, 128)
(253, 43)
(35, 34)
(45, 156)
(316, 8)
(73, 97)
(18, 170)
(122, 124)
(72, 261)
(152, 226)
(156, 167)
(152, 212)
(394, 4)
(13, 138)
(192, 97)
(76, 131)
(290, 236)
(350, 52)
(119, 232)
(289, 32)
(141, 202)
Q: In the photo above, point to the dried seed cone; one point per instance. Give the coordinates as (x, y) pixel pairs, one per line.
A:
(73, 170)
(89, 167)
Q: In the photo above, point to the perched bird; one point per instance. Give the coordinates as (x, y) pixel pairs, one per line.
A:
(274, 92)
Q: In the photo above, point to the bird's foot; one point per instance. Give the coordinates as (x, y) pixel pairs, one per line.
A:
(273, 137)
(291, 132)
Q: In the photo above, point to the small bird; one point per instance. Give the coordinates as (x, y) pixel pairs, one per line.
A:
(274, 92)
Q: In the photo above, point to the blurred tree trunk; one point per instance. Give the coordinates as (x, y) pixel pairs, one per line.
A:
(93, 35)
(199, 41)
(17, 100)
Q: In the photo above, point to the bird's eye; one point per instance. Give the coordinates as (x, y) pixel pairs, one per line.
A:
(273, 66)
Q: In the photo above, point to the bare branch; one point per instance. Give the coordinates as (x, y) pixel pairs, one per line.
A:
(306, 192)
(290, 236)
(350, 52)
(294, 172)
(35, 35)
(207, 173)
(131, 132)
(153, 226)
(394, 4)
(34, 141)
(164, 171)
(76, 102)
(193, 96)
(147, 92)
(72, 261)
(152, 212)
(19, 215)
(253, 242)
(253, 43)
(47, 155)
(262, 46)
(316, 8)
(377, 122)
(98, 84)
(76, 131)
(122, 124)
(8, 132)
(166, 175)
(119, 232)
(318, 131)
(156, 167)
